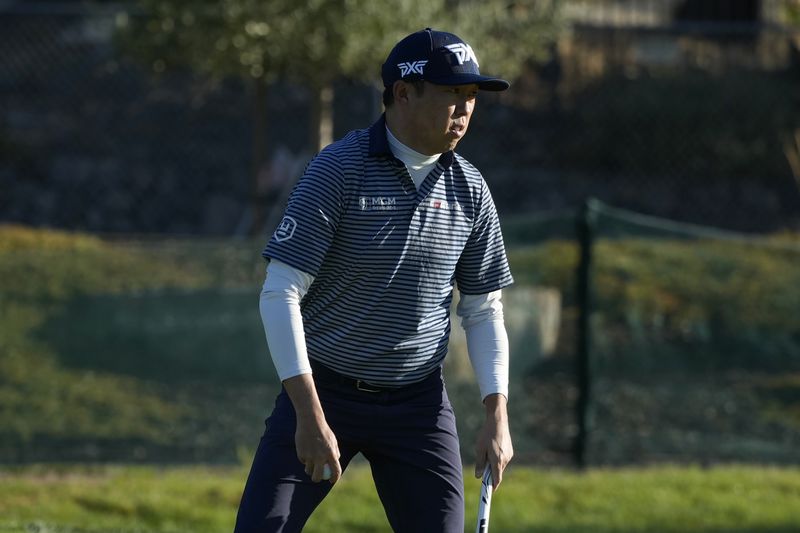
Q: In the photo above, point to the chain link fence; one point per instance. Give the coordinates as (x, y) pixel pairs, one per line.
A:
(146, 345)
(653, 106)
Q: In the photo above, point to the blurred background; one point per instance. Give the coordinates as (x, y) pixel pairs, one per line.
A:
(645, 163)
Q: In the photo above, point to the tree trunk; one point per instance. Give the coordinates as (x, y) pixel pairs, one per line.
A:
(322, 117)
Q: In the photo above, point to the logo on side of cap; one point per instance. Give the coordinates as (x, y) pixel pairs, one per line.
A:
(411, 67)
(463, 53)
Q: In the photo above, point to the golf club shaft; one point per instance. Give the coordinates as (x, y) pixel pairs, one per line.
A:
(484, 505)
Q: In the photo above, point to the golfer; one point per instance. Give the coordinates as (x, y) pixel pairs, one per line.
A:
(356, 306)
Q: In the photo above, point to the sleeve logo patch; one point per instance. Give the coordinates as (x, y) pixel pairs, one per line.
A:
(285, 229)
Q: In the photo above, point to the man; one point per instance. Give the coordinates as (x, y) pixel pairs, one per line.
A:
(356, 306)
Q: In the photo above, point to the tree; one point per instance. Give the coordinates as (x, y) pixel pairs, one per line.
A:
(316, 42)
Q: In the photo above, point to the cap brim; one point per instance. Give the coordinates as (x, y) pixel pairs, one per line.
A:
(484, 83)
(494, 84)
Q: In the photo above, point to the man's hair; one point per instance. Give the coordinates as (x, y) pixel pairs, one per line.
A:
(416, 81)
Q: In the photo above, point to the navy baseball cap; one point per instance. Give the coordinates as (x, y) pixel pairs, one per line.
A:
(437, 57)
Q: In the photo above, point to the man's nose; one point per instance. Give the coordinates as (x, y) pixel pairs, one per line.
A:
(463, 107)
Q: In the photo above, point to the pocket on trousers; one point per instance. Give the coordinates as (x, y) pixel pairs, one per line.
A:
(282, 422)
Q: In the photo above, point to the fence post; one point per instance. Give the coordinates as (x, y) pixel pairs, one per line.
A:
(585, 232)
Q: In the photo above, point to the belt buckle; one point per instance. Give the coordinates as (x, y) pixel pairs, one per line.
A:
(365, 387)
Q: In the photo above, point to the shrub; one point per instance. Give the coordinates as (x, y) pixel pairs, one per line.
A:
(697, 127)
(735, 302)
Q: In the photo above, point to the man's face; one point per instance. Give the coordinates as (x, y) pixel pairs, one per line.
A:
(440, 116)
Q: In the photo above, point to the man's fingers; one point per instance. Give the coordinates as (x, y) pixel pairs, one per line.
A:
(497, 475)
(319, 456)
(336, 472)
(313, 469)
(316, 475)
(498, 465)
(480, 465)
(330, 471)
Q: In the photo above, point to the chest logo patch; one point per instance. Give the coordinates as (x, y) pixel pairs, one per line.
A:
(377, 203)
(433, 203)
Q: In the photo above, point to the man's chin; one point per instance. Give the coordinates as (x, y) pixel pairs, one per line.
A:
(452, 141)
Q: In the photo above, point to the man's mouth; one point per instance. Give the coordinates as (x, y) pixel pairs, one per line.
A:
(457, 129)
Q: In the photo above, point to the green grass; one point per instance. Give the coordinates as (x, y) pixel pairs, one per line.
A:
(94, 334)
(203, 499)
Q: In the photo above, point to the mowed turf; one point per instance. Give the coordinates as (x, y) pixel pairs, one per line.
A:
(204, 499)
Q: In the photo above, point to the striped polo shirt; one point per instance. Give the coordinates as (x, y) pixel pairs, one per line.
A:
(385, 256)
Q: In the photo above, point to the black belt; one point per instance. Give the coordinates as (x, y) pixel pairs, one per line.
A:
(327, 375)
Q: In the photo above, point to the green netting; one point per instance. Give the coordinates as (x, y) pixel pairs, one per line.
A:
(693, 340)
(695, 343)
(153, 350)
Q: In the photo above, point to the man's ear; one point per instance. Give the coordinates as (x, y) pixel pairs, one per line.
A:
(400, 91)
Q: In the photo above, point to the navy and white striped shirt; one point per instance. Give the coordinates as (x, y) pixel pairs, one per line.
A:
(385, 256)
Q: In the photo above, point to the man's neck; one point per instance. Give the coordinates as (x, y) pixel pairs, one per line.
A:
(402, 132)
(417, 164)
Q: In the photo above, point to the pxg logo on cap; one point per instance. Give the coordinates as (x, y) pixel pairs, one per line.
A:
(411, 67)
(463, 52)
(437, 57)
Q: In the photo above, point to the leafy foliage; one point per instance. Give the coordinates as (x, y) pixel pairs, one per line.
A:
(55, 265)
(647, 126)
(317, 41)
(735, 301)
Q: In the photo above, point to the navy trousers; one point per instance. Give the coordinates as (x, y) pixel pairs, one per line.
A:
(407, 435)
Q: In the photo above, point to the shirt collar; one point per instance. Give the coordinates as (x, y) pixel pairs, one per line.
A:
(379, 144)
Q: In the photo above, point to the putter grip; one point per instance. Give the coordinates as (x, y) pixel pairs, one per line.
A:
(485, 503)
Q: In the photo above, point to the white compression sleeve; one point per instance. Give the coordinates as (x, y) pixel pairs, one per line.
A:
(487, 340)
(279, 304)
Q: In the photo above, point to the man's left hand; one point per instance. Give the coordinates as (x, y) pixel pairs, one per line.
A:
(494, 440)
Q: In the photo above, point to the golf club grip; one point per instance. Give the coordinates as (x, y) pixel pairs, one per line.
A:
(485, 503)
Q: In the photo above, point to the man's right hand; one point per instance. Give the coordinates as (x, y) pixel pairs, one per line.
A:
(315, 442)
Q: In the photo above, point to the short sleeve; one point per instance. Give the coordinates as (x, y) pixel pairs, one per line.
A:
(483, 265)
(308, 226)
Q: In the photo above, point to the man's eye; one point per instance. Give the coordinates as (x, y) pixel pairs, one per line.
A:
(457, 91)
